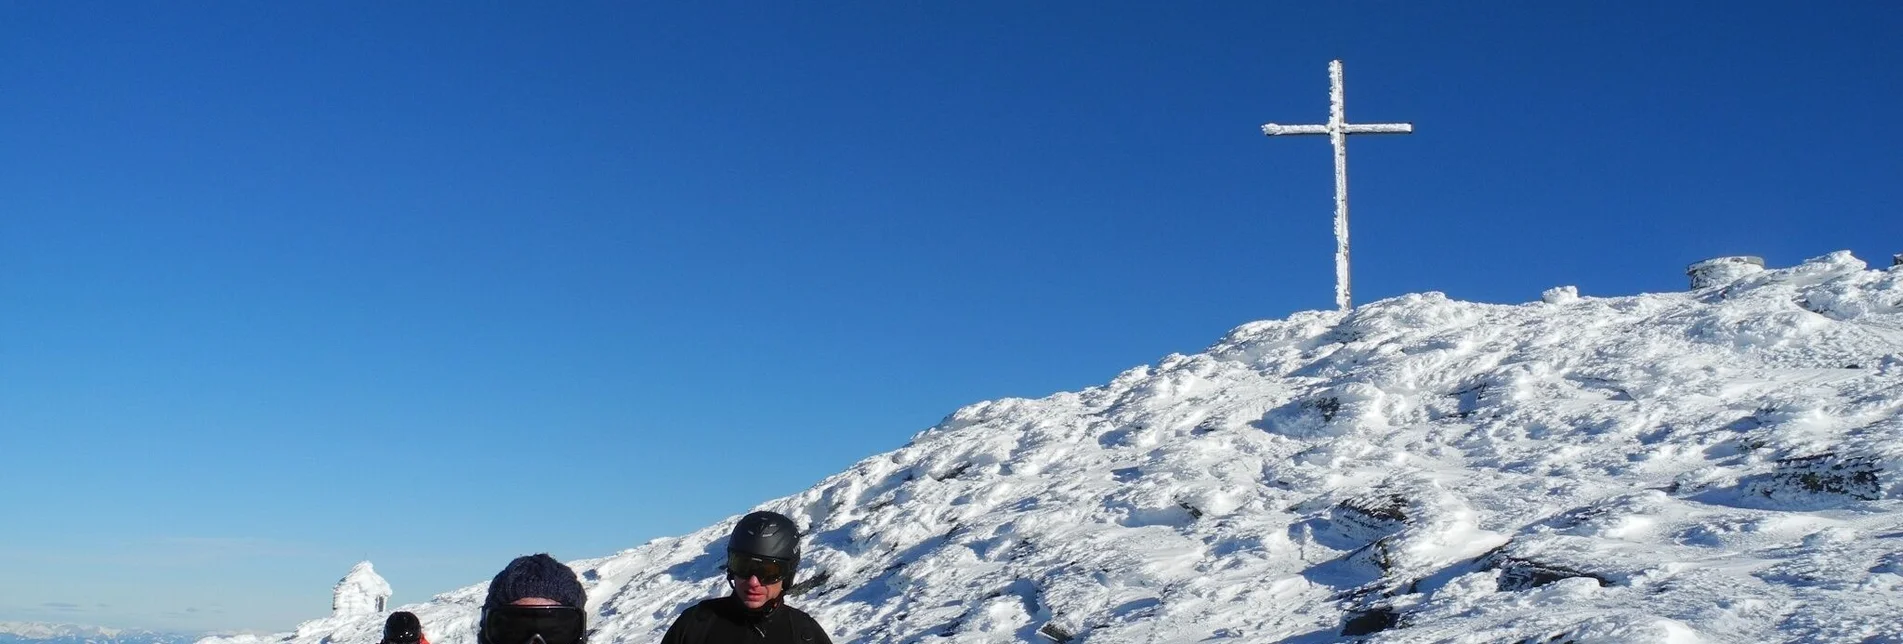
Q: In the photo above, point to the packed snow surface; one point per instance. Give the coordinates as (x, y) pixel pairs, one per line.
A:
(1718, 465)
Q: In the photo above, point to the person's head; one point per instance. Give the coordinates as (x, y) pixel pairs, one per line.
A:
(535, 600)
(762, 555)
(402, 628)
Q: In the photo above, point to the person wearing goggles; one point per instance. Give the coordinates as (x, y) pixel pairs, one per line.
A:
(403, 628)
(535, 600)
(763, 553)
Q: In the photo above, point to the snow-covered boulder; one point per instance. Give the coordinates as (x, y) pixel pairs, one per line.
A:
(1719, 271)
(1560, 295)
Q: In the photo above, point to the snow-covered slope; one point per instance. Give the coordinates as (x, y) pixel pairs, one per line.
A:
(1721, 465)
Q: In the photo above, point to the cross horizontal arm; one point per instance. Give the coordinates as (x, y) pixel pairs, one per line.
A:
(1277, 129)
(1273, 129)
(1379, 128)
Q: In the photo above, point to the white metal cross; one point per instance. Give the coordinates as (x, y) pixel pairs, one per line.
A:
(1338, 128)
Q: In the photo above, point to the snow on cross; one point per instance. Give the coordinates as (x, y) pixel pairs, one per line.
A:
(1338, 128)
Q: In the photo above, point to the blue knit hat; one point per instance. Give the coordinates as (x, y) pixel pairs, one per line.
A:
(536, 576)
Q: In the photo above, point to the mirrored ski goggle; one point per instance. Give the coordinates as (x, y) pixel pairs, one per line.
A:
(534, 625)
(767, 571)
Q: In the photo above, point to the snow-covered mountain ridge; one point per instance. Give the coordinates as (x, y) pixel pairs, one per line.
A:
(1715, 465)
(49, 633)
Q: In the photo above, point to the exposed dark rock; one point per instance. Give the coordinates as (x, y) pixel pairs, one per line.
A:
(1056, 633)
(1328, 406)
(1369, 621)
(811, 582)
(1370, 517)
(1517, 574)
(1828, 473)
(954, 472)
(1193, 512)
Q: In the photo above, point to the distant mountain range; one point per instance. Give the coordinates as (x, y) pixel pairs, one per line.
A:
(44, 633)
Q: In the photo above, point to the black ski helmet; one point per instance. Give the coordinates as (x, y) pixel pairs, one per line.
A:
(402, 626)
(768, 535)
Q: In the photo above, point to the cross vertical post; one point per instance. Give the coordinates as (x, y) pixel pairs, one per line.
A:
(1338, 128)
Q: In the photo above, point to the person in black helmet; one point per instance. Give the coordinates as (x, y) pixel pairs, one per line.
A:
(403, 628)
(762, 556)
(535, 600)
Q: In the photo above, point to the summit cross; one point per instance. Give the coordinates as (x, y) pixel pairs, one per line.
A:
(1338, 128)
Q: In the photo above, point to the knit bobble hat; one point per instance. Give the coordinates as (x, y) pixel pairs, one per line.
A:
(536, 576)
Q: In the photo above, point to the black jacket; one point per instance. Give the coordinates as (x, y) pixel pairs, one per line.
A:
(725, 620)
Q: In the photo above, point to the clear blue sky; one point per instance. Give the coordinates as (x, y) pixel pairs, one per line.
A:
(437, 284)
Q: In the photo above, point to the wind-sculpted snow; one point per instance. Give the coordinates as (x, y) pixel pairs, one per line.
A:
(1718, 465)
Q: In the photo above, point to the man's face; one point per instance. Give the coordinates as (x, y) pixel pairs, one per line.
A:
(755, 581)
(755, 594)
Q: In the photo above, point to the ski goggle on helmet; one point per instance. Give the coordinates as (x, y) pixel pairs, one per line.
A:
(533, 625)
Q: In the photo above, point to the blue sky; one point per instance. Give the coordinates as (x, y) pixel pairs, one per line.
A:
(437, 284)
